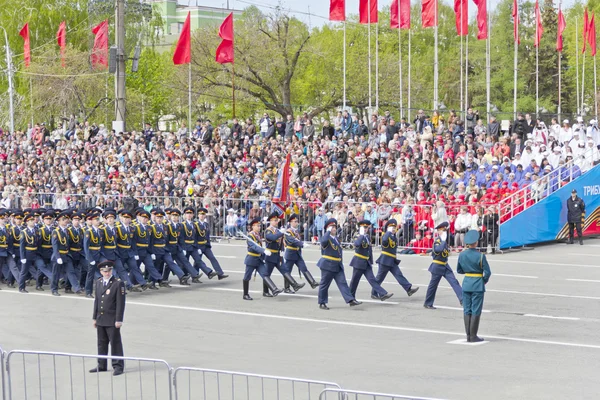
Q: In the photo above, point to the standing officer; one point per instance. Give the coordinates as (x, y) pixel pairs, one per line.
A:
(109, 309)
(575, 216)
(293, 251)
(92, 246)
(477, 272)
(126, 251)
(362, 262)
(62, 263)
(387, 260)
(255, 260)
(174, 231)
(160, 256)
(332, 268)
(273, 239)
(439, 267)
(204, 246)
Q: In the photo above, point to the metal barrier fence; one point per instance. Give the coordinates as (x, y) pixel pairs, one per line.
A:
(58, 376)
(211, 384)
(343, 394)
(2, 381)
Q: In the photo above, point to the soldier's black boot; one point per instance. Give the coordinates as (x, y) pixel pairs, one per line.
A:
(246, 287)
(474, 325)
(311, 281)
(468, 326)
(286, 287)
(289, 279)
(271, 286)
(266, 290)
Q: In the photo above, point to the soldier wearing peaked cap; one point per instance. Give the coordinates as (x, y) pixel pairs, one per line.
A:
(387, 260)
(162, 258)
(439, 267)
(293, 251)
(141, 246)
(575, 216)
(362, 262)
(77, 235)
(205, 247)
(109, 311)
(14, 262)
(5, 247)
(174, 230)
(110, 252)
(92, 247)
(477, 272)
(332, 268)
(126, 249)
(44, 261)
(273, 240)
(255, 260)
(62, 261)
(30, 259)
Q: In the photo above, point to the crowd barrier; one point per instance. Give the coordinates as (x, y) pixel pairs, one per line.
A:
(3, 379)
(211, 384)
(58, 376)
(343, 394)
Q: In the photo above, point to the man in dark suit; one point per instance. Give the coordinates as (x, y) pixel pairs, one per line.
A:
(109, 307)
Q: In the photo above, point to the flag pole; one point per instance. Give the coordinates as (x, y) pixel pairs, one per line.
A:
(408, 85)
(595, 92)
(435, 60)
(31, 99)
(466, 76)
(488, 66)
(190, 97)
(537, 72)
(377, 65)
(344, 101)
(233, 88)
(369, 44)
(559, 75)
(582, 80)
(400, 65)
(577, 60)
(462, 3)
(515, 66)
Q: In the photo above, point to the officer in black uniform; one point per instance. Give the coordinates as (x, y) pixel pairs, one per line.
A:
(109, 309)
(575, 216)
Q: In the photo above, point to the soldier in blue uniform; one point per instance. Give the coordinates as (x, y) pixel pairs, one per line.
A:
(141, 244)
(255, 260)
(162, 258)
(477, 272)
(110, 252)
(29, 248)
(92, 246)
(293, 251)
(332, 268)
(76, 236)
(14, 261)
(387, 260)
(204, 246)
(62, 262)
(43, 262)
(362, 262)
(439, 267)
(174, 231)
(126, 250)
(273, 240)
(5, 247)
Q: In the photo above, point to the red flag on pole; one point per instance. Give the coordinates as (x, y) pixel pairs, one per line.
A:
(429, 16)
(366, 16)
(183, 50)
(592, 34)
(61, 39)
(561, 28)
(281, 194)
(585, 30)
(394, 17)
(337, 10)
(24, 33)
(482, 26)
(461, 11)
(400, 19)
(225, 50)
(100, 50)
(539, 29)
(515, 15)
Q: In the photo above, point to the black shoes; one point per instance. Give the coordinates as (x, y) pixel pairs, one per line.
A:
(39, 288)
(136, 289)
(247, 297)
(212, 274)
(429, 307)
(288, 291)
(97, 369)
(23, 291)
(311, 281)
(89, 296)
(375, 297)
(223, 276)
(354, 303)
(68, 291)
(387, 296)
(196, 279)
(55, 293)
(468, 326)
(246, 285)
(323, 306)
(152, 286)
(267, 294)
(166, 284)
(117, 372)
(412, 290)
(473, 328)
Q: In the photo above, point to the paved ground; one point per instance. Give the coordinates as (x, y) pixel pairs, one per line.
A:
(541, 328)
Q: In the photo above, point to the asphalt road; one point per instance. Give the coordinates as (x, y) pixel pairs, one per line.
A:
(541, 323)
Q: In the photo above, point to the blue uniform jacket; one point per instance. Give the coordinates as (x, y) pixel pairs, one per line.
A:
(125, 242)
(476, 269)
(109, 243)
(158, 239)
(363, 253)
(30, 242)
(173, 232)
(15, 233)
(389, 246)
(254, 258)
(203, 238)
(293, 245)
(331, 254)
(76, 237)
(5, 241)
(273, 241)
(45, 249)
(440, 253)
(60, 244)
(92, 243)
(187, 239)
(142, 239)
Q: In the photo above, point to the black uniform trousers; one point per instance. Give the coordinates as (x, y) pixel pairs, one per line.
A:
(110, 335)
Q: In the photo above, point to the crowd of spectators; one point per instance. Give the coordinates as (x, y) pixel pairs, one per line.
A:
(342, 167)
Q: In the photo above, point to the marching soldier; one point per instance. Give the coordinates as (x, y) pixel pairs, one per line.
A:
(76, 236)
(109, 249)
(160, 256)
(255, 260)
(126, 252)
(439, 267)
(332, 267)
(62, 263)
(92, 246)
(44, 262)
(29, 247)
(189, 243)
(204, 246)
(273, 239)
(387, 260)
(141, 243)
(5, 247)
(477, 272)
(109, 310)
(293, 251)
(174, 230)
(362, 262)
(14, 261)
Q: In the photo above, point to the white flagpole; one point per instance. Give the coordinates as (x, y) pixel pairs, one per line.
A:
(190, 98)
(344, 101)
(516, 40)
(400, 64)
(435, 60)
(595, 91)
(377, 66)
(537, 72)
(409, 81)
(489, 66)
(582, 81)
(466, 76)
(369, 44)
(559, 76)
(462, 104)
(577, 60)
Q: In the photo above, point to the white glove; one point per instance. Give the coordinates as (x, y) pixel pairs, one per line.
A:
(306, 245)
(268, 252)
(444, 236)
(153, 257)
(390, 229)
(13, 255)
(283, 230)
(361, 230)
(329, 228)
(59, 261)
(93, 263)
(199, 251)
(23, 261)
(136, 258)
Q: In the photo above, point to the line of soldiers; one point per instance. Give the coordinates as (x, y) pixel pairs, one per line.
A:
(63, 248)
